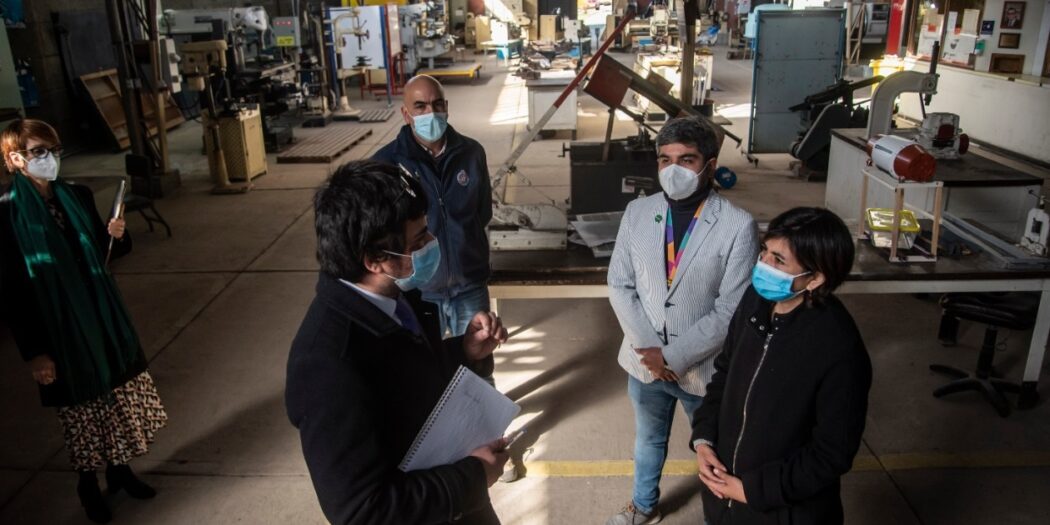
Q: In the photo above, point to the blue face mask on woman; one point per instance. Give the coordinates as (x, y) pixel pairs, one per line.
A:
(425, 263)
(430, 126)
(773, 284)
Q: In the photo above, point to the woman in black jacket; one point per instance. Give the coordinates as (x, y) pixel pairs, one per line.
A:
(68, 319)
(784, 413)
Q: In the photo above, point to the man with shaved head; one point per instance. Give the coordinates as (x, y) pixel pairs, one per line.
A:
(452, 169)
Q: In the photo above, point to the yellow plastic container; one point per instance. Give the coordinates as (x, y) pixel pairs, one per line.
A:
(880, 228)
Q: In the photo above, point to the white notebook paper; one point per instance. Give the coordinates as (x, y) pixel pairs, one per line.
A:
(469, 414)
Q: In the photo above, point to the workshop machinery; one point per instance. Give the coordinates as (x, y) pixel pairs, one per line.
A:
(258, 70)
(350, 31)
(606, 176)
(831, 108)
(536, 226)
(367, 43)
(665, 69)
(203, 64)
(425, 34)
(941, 135)
(843, 179)
(315, 62)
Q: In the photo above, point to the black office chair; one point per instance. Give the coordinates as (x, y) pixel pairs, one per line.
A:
(1010, 311)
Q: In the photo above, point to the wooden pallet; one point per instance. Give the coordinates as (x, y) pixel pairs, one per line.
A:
(375, 115)
(323, 148)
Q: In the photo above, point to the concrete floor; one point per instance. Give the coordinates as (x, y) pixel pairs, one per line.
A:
(218, 304)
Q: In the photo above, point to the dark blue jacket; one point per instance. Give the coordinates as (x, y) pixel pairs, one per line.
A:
(459, 207)
(359, 388)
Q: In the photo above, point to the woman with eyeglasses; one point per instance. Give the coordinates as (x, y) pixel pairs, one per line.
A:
(68, 319)
(784, 412)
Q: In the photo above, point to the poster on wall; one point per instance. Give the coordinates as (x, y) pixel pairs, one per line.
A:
(958, 47)
(987, 27)
(971, 21)
(930, 34)
(1013, 15)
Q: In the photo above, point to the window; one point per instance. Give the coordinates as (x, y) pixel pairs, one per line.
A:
(928, 24)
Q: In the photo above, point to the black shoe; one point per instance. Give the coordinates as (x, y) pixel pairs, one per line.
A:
(121, 477)
(91, 498)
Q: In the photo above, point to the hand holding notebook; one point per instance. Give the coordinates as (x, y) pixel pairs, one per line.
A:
(469, 414)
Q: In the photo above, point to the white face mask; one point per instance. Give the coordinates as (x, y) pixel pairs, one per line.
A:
(43, 168)
(680, 182)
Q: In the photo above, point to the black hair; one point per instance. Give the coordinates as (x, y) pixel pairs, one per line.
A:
(361, 211)
(692, 131)
(820, 241)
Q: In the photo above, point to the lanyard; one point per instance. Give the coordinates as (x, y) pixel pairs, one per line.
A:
(674, 257)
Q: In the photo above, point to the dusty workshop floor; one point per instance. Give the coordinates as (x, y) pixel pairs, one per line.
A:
(218, 303)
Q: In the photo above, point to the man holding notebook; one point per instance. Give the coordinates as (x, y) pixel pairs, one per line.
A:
(369, 365)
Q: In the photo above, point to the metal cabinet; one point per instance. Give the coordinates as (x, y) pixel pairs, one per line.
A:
(241, 136)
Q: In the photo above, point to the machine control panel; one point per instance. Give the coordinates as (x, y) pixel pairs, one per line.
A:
(286, 31)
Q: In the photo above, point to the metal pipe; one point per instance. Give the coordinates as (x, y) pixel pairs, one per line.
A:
(158, 94)
(688, 41)
(114, 11)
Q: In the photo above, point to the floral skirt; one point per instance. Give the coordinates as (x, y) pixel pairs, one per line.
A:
(116, 428)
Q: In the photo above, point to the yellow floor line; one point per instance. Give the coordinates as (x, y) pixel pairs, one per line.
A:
(891, 462)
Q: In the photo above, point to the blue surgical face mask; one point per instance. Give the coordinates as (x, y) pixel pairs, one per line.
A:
(773, 284)
(430, 126)
(425, 263)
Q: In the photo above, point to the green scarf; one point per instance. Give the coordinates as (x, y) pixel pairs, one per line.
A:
(93, 339)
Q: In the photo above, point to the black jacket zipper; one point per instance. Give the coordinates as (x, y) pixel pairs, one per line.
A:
(747, 398)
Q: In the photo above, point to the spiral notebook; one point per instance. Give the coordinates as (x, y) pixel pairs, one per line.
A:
(469, 414)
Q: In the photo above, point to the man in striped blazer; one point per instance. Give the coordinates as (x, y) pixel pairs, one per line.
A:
(682, 261)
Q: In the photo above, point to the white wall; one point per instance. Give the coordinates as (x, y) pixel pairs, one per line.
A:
(1033, 34)
(1044, 35)
(992, 109)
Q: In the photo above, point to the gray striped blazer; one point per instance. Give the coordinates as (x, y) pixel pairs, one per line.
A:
(696, 310)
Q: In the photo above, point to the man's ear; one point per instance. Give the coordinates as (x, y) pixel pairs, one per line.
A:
(406, 116)
(373, 265)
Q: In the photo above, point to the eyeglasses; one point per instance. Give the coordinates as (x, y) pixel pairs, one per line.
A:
(406, 187)
(41, 152)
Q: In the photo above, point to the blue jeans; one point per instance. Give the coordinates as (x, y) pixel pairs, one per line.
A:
(455, 313)
(654, 405)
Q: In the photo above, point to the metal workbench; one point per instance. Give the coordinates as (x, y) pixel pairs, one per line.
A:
(575, 273)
